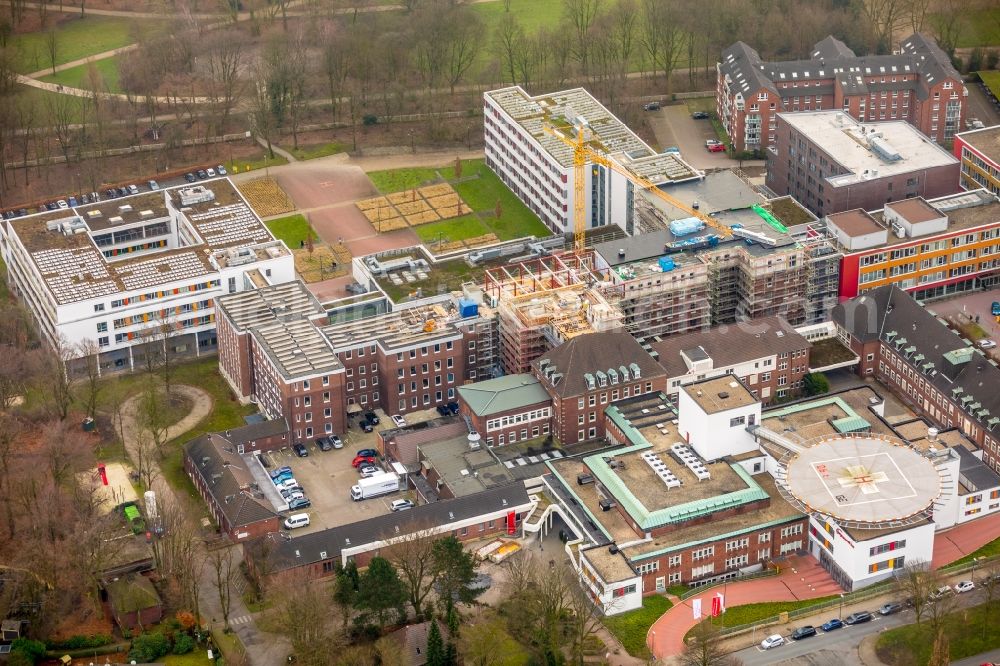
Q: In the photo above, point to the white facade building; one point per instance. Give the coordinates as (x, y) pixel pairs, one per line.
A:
(538, 167)
(119, 272)
(714, 415)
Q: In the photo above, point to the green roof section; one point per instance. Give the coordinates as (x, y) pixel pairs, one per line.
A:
(132, 593)
(851, 424)
(678, 513)
(503, 394)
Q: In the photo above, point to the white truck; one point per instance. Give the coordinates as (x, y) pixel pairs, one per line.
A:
(380, 484)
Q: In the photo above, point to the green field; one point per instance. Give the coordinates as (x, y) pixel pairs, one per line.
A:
(397, 180)
(631, 628)
(79, 77)
(737, 616)
(38, 101)
(319, 150)
(970, 631)
(532, 14)
(455, 229)
(76, 38)
(978, 27)
(482, 194)
(293, 229)
(992, 81)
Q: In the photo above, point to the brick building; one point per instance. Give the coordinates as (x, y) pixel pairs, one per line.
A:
(918, 85)
(587, 373)
(221, 477)
(509, 409)
(927, 248)
(768, 355)
(979, 152)
(494, 512)
(939, 374)
(830, 162)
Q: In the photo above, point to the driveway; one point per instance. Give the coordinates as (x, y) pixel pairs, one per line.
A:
(673, 126)
(971, 303)
(979, 106)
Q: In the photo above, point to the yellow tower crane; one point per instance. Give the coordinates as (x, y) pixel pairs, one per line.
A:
(582, 153)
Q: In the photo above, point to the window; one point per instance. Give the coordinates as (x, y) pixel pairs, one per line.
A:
(674, 561)
(738, 561)
(103, 341)
(887, 565)
(737, 421)
(764, 538)
(886, 547)
(99, 307)
(674, 578)
(622, 591)
(649, 567)
(737, 544)
(102, 327)
(704, 553)
(704, 570)
(791, 531)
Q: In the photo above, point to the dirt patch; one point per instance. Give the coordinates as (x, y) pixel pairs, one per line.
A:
(266, 197)
(323, 263)
(87, 619)
(411, 208)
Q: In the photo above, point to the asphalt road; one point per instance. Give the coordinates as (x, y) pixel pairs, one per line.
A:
(980, 106)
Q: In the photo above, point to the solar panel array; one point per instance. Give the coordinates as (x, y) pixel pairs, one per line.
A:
(75, 274)
(159, 269)
(297, 348)
(689, 458)
(661, 470)
(225, 226)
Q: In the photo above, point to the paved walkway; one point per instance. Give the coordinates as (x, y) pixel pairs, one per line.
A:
(277, 150)
(957, 542)
(801, 577)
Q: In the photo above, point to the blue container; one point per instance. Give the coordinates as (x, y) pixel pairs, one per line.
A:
(666, 264)
(467, 308)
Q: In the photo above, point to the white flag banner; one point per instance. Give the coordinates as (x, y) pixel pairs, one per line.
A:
(696, 608)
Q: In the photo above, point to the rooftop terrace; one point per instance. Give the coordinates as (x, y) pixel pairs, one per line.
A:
(410, 326)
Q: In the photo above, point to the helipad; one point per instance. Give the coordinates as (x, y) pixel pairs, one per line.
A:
(865, 479)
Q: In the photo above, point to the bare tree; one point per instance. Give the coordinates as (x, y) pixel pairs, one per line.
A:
(509, 42)
(463, 45)
(917, 581)
(225, 64)
(56, 376)
(884, 17)
(624, 24)
(91, 352)
(303, 608)
(662, 36)
(580, 16)
(584, 617)
(52, 47)
(704, 647)
(413, 557)
(989, 583)
(223, 569)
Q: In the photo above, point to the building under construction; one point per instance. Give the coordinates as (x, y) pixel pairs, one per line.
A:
(544, 302)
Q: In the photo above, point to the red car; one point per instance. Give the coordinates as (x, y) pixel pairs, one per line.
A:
(714, 146)
(361, 460)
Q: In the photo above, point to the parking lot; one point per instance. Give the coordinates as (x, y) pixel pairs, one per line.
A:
(327, 477)
(972, 304)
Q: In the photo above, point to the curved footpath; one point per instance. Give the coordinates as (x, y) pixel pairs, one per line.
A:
(802, 578)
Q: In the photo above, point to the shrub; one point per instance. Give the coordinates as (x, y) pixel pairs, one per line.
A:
(80, 642)
(369, 119)
(183, 643)
(816, 383)
(147, 648)
(26, 651)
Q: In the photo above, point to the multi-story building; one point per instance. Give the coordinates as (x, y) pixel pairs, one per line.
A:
(509, 409)
(587, 373)
(928, 248)
(931, 368)
(831, 162)
(120, 274)
(538, 167)
(979, 152)
(918, 85)
(767, 355)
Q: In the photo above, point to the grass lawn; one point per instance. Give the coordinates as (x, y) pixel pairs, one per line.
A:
(532, 14)
(992, 80)
(76, 38)
(319, 150)
(701, 104)
(455, 229)
(978, 27)
(990, 549)
(482, 193)
(969, 631)
(631, 628)
(292, 229)
(397, 180)
(39, 101)
(749, 613)
(79, 77)
(194, 658)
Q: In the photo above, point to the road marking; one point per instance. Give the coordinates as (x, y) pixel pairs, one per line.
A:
(242, 619)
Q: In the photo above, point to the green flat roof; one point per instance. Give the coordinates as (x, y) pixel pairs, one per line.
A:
(851, 424)
(678, 513)
(502, 394)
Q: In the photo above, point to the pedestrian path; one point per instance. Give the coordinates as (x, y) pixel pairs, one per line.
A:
(241, 619)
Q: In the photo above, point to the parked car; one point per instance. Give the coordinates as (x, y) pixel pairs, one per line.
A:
(302, 503)
(292, 493)
(398, 420)
(671, 150)
(72, 202)
(368, 471)
(62, 203)
(95, 197)
(367, 452)
(281, 478)
(965, 586)
(715, 146)
(133, 189)
(85, 199)
(995, 309)
(211, 172)
(280, 471)
(111, 193)
(803, 632)
(365, 425)
(337, 442)
(53, 205)
(297, 520)
(190, 177)
(651, 106)
(153, 185)
(443, 410)
(287, 483)
(941, 593)
(222, 170)
(295, 496)
(832, 625)
(122, 191)
(453, 407)
(372, 418)
(701, 115)
(324, 444)
(202, 174)
(890, 608)
(986, 343)
(401, 505)
(361, 460)
(300, 450)
(772, 641)
(858, 618)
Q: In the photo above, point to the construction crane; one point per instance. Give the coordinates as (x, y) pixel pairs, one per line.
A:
(582, 153)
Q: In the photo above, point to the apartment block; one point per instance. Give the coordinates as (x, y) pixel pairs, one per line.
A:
(917, 84)
(538, 167)
(927, 248)
(506, 410)
(767, 355)
(117, 274)
(831, 162)
(979, 153)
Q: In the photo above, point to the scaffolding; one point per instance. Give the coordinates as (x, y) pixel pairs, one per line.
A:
(822, 269)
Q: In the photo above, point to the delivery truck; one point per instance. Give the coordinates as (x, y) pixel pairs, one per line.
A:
(380, 484)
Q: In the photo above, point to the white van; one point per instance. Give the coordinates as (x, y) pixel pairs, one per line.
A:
(297, 520)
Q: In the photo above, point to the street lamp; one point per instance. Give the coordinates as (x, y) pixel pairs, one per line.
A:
(841, 614)
(975, 561)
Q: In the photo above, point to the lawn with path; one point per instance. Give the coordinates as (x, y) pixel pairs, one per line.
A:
(397, 180)
(977, 27)
(80, 77)
(630, 628)
(318, 150)
(454, 229)
(293, 229)
(969, 631)
(992, 80)
(76, 38)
